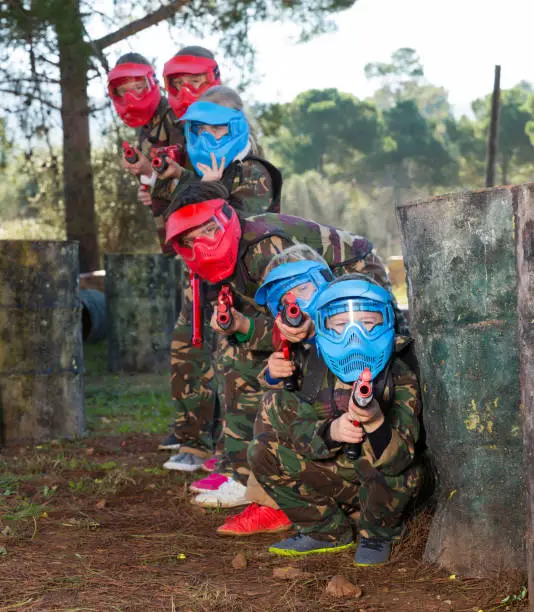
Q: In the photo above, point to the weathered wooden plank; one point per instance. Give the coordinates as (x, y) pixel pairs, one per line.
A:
(41, 360)
(524, 227)
(141, 307)
(459, 252)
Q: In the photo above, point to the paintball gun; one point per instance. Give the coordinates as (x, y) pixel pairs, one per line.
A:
(130, 154)
(196, 339)
(362, 395)
(225, 303)
(160, 155)
(292, 316)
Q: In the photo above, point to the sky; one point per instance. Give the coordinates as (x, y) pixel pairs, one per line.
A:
(459, 43)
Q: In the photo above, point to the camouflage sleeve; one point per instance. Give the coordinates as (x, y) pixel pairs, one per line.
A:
(403, 417)
(306, 432)
(253, 188)
(257, 258)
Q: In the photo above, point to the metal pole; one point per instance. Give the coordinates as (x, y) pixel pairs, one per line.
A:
(493, 135)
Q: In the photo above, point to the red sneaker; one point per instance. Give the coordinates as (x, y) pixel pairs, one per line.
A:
(255, 519)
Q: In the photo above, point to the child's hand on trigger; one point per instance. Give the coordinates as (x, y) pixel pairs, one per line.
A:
(143, 195)
(280, 367)
(296, 334)
(141, 166)
(213, 173)
(343, 429)
(240, 323)
(174, 170)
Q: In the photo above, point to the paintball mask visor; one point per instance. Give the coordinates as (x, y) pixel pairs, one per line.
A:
(295, 277)
(201, 143)
(212, 251)
(135, 106)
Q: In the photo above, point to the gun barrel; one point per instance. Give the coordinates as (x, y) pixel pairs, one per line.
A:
(224, 320)
(130, 154)
(160, 164)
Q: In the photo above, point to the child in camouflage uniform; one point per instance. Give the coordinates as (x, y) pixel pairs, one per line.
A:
(297, 453)
(137, 98)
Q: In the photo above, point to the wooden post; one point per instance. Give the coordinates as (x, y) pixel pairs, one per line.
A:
(493, 133)
(141, 310)
(524, 233)
(41, 362)
(460, 257)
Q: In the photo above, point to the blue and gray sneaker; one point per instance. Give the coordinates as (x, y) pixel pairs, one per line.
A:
(372, 551)
(170, 443)
(302, 544)
(184, 462)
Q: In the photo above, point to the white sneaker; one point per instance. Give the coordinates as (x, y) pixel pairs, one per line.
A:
(184, 462)
(228, 495)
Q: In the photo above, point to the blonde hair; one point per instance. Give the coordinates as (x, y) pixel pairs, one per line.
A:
(296, 252)
(226, 96)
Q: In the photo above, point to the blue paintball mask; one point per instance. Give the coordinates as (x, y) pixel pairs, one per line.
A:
(200, 143)
(288, 277)
(344, 342)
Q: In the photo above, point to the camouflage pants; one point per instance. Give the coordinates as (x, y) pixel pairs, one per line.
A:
(193, 381)
(319, 495)
(242, 396)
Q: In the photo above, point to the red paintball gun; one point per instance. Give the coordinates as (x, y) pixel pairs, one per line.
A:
(292, 316)
(159, 157)
(225, 302)
(362, 395)
(131, 156)
(196, 339)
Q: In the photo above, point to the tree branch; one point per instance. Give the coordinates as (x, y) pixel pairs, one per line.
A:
(31, 96)
(138, 25)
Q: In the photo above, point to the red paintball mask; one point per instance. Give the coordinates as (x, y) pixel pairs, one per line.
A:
(133, 107)
(213, 253)
(180, 99)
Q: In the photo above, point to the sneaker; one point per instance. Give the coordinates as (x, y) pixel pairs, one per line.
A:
(255, 519)
(184, 462)
(210, 483)
(210, 464)
(302, 544)
(228, 495)
(372, 551)
(170, 443)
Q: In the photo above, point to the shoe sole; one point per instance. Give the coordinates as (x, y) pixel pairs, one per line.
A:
(182, 468)
(196, 490)
(369, 564)
(251, 533)
(219, 504)
(171, 447)
(295, 553)
(206, 469)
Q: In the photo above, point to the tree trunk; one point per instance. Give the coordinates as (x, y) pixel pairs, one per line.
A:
(460, 257)
(77, 170)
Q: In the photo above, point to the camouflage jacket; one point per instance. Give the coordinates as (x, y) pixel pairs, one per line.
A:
(162, 130)
(400, 404)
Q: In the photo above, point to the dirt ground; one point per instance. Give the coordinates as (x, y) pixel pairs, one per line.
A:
(96, 525)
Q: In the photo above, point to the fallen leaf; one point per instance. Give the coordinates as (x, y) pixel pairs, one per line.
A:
(3, 550)
(239, 561)
(6, 531)
(290, 573)
(104, 419)
(100, 504)
(90, 451)
(341, 587)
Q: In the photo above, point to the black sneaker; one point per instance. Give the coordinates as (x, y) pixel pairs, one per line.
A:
(170, 443)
